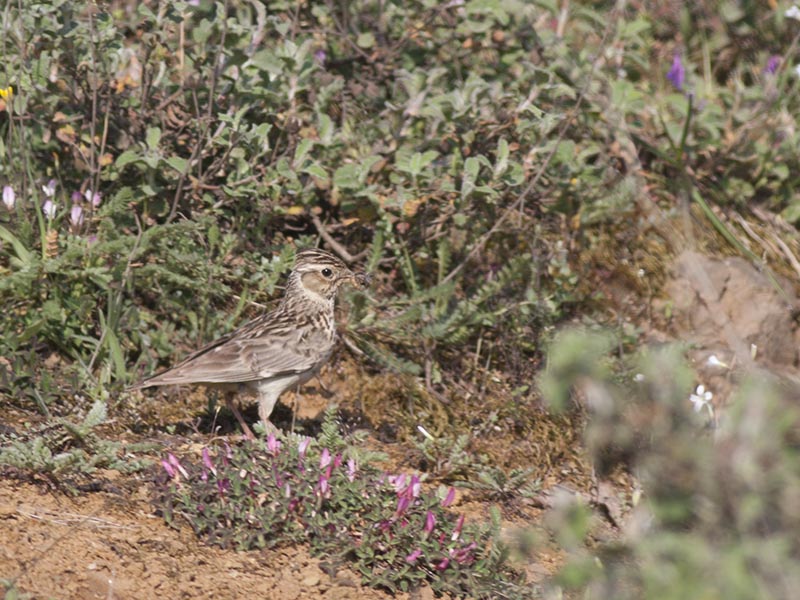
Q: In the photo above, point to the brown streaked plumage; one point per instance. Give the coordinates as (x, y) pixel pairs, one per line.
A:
(278, 350)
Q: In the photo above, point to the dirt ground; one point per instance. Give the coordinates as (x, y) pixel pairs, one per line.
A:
(105, 545)
(111, 544)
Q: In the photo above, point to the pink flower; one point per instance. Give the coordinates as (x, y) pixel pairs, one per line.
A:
(414, 487)
(457, 530)
(324, 487)
(325, 458)
(173, 460)
(207, 461)
(412, 558)
(168, 468)
(287, 490)
(76, 215)
(464, 555)
(451, 496)
(273, 444)
(402, 505)
(95, 198)
(50, 189)
(430, 522)
(442, 565)
(351, 470)
(49, 209)
(303, 446)
(398, 482)
(337, 460)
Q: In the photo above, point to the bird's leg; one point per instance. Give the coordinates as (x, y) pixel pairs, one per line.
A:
(295, 402)
(235, 410)
(266, 402)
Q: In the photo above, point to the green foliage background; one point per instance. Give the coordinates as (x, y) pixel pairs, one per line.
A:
(492, 162)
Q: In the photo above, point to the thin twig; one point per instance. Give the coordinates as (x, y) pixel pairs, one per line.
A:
(336, 246)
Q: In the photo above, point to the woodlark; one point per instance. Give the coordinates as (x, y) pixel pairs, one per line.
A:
(278, 350)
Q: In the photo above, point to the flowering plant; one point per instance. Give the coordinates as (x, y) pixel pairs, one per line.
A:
(279, 491)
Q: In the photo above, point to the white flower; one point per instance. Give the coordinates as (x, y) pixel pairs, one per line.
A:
(639, 377)
(793, 13)
(753, 347)
(797, 70)
(9, 196)
(49, 189)
(702, 398)
(49, 209)
(713, 361)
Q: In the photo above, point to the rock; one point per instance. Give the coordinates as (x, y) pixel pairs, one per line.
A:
(727, 305)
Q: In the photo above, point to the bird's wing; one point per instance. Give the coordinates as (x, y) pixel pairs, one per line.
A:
(238, 358)
(236, 361)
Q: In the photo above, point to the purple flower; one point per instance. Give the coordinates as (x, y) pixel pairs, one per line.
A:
(773, 62)
(442, 565)
(430, 522)
(207, 461)
(9, 196)
(324, 458)
(49, 189)
(303, 446)
(412, 558)
(320, 56)
(451, 496)
(351, 470)
(76, 197)
(273, 444)
(76, 215)
(402, 505)
(49, 209)
(677, 74)
(95, 198)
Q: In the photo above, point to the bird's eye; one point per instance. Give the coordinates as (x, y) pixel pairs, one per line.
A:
(326, 272)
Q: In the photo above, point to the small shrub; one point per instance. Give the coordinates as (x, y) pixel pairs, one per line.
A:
(64, 451)
(287, 490)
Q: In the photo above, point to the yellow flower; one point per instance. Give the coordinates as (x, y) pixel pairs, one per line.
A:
(7, 93)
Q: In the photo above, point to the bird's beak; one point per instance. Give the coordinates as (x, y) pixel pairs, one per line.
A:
(360, 280)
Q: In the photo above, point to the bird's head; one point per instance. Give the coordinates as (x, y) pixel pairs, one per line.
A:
(320, 274)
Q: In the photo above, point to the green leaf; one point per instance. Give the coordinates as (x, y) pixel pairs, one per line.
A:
(302, 150)
(23, 254)
(127, 157)
(153, 137)
(178, 163)
(365, 40)
(346, 177)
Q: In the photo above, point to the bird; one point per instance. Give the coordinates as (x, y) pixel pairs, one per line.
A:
(278, 350)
